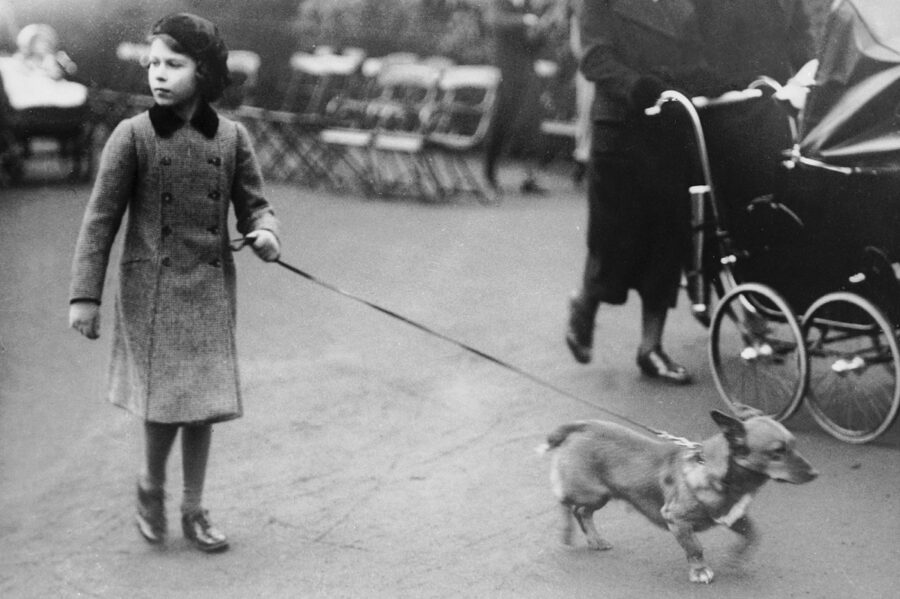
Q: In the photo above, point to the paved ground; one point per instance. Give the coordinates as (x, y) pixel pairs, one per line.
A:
(375, 460)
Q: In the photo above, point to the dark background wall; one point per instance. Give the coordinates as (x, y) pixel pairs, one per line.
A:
(92, 29)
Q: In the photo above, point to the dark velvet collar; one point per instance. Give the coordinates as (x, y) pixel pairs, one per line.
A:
(166, 122)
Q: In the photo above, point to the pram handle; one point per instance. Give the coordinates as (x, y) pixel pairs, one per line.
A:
(690, 107)
(700, 102)
(702, 194)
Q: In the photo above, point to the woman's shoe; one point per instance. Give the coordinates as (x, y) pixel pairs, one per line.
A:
(580, 331)
(200, 531)
(151, 515)
(531, 186)
(656, 364)
(578, 173)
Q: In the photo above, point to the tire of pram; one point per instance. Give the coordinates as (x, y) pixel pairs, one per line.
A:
(854, 367)
(756, 351)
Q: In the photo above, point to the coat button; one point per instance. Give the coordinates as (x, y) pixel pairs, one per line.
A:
(167, 230)
(215, 161)
(214, 194)
(167, 197)
(165, 161)
(217, 263)
(167, 261)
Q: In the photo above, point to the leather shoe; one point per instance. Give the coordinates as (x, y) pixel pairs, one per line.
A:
(201, 533)
(151, 515)
(656, 364)
(580, 331)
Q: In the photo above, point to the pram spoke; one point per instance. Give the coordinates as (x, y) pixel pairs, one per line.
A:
(854, 367)
(756, 351)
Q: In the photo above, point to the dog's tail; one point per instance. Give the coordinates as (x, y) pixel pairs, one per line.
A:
(559, 436)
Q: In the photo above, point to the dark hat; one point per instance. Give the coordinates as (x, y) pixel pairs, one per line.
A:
(199, 38)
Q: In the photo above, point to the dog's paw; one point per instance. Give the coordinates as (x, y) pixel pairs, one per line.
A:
(598, 544)
(701, 574)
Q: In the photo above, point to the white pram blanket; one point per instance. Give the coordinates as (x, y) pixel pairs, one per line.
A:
(30, 88)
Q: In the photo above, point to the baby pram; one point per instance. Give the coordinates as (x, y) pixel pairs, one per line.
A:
(34, 106)
(797, 234)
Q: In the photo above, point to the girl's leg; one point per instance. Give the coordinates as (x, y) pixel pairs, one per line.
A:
(195, 443)
(151, 511)
(158, 440)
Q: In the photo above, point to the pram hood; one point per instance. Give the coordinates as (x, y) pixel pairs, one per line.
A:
(852, 116)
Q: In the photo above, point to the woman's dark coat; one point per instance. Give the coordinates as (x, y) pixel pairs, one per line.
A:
(746, 39)
(638, 218)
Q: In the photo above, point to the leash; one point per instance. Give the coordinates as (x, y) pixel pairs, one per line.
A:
(238, 244)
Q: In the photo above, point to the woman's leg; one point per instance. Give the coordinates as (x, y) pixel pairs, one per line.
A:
(651, 358)
(653, 322)
(583, 306)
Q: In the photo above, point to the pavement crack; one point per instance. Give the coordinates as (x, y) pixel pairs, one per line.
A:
(363, 500)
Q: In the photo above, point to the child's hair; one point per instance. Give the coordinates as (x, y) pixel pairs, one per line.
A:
(198, 38)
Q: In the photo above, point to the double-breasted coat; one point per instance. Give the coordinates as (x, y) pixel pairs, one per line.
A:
(173, 342)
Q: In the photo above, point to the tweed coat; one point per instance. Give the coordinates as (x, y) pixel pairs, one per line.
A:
(173, 349)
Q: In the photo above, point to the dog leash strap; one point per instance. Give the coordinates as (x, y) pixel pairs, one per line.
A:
(465, 346)
(473, 350)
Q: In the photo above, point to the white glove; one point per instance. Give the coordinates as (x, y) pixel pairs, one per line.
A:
(797, 87)
(84, 317)
(264, 244)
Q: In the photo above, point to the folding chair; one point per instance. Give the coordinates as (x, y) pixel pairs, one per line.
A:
(287, 145)
(386, 149)
(402, 116)
(349, 108)
(317, 78)
(468, 95)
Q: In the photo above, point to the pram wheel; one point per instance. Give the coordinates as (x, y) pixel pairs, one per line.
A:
(756, 351)
(854, 367)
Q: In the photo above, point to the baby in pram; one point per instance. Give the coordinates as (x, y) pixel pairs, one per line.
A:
(37, 99)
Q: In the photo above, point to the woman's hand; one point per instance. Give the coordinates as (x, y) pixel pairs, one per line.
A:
(84, 317)
(264, 244)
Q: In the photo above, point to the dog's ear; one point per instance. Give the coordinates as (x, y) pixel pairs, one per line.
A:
(733, 428)
(745, 412)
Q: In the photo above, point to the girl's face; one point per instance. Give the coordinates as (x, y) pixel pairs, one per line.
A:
(172, 76)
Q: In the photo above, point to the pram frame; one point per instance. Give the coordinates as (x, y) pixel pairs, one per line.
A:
(755, 309)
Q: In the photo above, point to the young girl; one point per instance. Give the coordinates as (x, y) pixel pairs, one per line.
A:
(175, 169)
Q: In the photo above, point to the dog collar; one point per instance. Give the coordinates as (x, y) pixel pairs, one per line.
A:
(696, 448)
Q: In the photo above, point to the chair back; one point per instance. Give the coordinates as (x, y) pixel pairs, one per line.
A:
(468, 95)
(407, 96)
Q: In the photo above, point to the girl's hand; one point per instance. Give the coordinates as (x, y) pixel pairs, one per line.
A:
(84, 317)
(265, 244)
